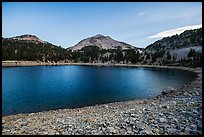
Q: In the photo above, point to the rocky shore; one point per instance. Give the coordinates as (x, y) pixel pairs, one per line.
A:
(15, 63)
(176, 112)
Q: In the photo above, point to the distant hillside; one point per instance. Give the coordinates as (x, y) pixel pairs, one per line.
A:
(188, 38)
(31, 48)
(27, 37)
(175, 49)
(103, 42)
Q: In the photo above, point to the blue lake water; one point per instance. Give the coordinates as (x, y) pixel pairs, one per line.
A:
(40, 88)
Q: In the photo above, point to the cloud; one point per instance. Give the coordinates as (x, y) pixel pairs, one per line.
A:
(171, 32)
(141, 13)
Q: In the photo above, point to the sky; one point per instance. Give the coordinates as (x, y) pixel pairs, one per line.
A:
(66, 23)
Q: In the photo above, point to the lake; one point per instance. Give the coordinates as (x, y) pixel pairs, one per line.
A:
(41, 88)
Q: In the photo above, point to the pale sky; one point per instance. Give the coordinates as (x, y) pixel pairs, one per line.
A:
(66, 23)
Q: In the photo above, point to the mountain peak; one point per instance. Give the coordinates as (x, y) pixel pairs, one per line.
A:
(99, 35)
(101, 41)
(28, 37)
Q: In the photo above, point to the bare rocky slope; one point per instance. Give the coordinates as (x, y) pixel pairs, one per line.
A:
(177, 47)
(104, 42)
(28, 37)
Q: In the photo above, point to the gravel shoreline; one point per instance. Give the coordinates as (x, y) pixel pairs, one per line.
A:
(14, 63)
(178, 112)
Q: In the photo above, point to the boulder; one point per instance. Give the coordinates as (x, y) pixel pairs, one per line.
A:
(167, 90)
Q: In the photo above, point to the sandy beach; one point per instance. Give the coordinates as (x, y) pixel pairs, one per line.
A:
(178, 112)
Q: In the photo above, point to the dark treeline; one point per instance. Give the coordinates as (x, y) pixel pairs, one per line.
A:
(31, 51)
(95, 54)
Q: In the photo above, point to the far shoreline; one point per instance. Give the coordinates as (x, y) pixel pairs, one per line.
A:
(37, 63)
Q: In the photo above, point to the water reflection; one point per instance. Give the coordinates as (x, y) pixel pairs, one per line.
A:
(32, 89)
